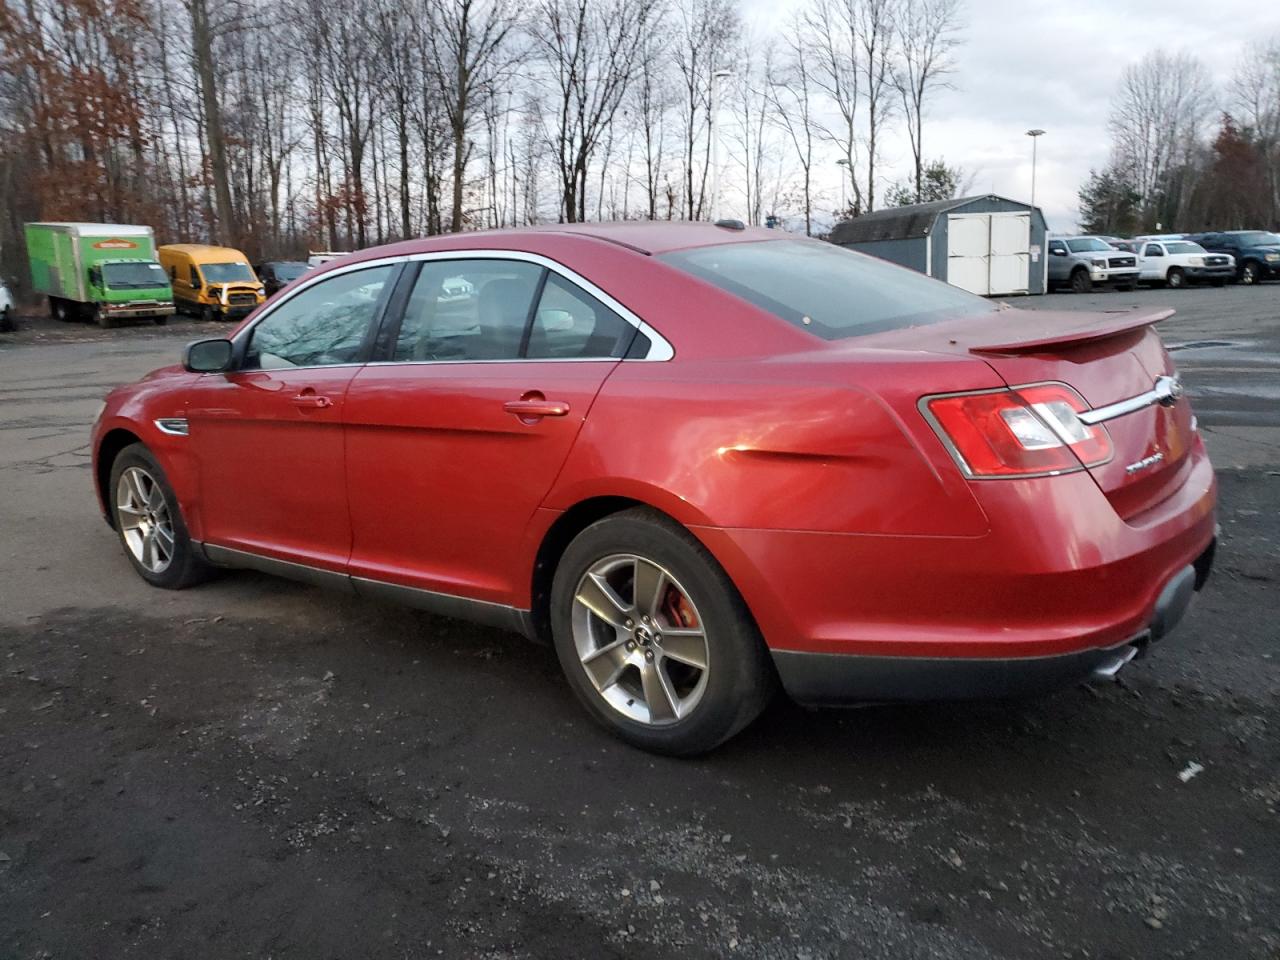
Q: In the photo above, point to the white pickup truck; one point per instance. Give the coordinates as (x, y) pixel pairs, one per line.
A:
(1174, 262)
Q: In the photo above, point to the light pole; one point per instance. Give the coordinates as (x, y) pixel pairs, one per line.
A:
(713, 120)
(1035, 134)
(844, 197)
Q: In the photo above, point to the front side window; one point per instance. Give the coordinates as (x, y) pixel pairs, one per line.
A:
(468, 310)
(195, 277)
(1153, 250)
(323, 325)
(228, 273)
(827, 290)
(571, 324)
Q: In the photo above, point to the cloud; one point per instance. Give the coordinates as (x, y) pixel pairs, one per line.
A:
(1053, 66)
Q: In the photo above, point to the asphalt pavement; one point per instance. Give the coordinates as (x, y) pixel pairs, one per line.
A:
(257, 768)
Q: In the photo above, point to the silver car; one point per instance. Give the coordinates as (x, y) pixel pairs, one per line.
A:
(1084, 262)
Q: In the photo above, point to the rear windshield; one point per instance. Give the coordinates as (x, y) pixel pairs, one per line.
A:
(825, 289)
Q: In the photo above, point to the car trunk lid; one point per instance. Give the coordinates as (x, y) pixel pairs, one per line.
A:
(1107, 358)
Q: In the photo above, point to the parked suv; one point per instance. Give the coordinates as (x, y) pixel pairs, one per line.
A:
(1081, 262)
(278, 274)
(1174, 262)
(1257, 252)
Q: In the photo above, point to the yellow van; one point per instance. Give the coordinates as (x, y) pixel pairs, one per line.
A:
(210, 282)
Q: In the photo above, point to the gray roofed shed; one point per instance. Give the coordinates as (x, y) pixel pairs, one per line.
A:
(987, 244)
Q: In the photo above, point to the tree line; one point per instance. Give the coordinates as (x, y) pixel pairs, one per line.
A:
(283, 125)
(1188, 155)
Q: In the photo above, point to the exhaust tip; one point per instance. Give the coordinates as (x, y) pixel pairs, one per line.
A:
(1109, 668)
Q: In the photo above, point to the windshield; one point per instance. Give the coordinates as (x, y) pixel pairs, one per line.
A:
(227, 273)
(289, 271)
(825, 289)
(1087, 245)
(1257, 238)
(133, 275)
(1183, 246)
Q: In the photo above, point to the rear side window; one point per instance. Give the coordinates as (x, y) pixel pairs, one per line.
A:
(572, 324)
(828, 290)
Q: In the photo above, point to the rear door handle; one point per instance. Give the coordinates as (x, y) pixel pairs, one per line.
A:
(532, 409)
(311, 401)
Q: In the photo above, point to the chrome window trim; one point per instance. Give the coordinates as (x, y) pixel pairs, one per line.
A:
(660, 348)
(1166, 392)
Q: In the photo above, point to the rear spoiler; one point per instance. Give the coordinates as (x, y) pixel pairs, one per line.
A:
(1066, 329)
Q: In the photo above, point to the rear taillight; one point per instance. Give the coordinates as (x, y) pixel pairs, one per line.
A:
(1026, 431)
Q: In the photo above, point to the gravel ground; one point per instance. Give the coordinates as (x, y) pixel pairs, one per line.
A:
(258, 768)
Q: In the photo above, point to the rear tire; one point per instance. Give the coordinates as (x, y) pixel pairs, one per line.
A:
(1175, 278)
(1080, 281)
(646, 687)
(61, 310)
(7, 324)
(149, 522)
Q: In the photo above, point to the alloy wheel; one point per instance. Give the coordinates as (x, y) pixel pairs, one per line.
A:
(640, 639)
(145, 522)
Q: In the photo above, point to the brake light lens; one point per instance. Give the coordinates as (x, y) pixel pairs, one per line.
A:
(1026, 431)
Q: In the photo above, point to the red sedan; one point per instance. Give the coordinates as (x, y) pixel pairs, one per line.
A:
(699, 459)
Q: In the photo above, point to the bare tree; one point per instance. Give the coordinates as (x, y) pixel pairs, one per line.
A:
(928, 33)
(708, 29)
(791, 94)
(468, 42)
(832, 26)
(1156, 122)
(877, 33)
(1255, 92)
(591, 49)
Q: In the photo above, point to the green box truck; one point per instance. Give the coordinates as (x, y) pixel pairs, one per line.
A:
(98, 271)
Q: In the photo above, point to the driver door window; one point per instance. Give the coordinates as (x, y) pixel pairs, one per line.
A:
(1153, 250)
(323, 325)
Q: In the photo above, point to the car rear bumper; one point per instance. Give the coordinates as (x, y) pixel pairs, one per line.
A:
(826, 679)
(1058, 584)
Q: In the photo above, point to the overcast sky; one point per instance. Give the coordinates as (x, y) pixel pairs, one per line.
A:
(1051, 64)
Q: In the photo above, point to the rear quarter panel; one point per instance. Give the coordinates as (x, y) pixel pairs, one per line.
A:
(805, 444)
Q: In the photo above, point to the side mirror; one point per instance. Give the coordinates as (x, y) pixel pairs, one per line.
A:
(1058, 253)
(208, 356)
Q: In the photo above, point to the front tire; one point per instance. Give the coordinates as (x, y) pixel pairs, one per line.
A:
(1080, 281)
(206, 313)
(149, 522)
(1175, 278)
(653, 637)
(1249, 273)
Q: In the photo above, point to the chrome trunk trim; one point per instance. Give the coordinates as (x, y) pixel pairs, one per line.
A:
(1166, 392)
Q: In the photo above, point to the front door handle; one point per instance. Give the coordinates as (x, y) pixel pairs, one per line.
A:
(311, 401)
(532, 408)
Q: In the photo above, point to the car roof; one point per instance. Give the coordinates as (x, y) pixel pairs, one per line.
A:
(642, 236)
